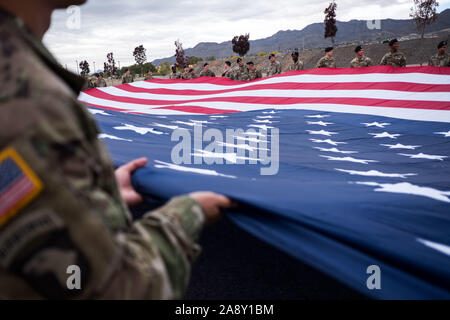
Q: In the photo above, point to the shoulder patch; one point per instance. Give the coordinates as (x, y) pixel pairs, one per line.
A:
(19, 185)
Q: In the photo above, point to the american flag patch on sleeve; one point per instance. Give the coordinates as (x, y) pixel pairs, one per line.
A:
(18, 184)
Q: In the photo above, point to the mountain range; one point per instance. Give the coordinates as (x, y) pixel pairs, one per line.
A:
(312, 37)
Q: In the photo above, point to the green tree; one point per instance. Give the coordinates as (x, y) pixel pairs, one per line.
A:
(241, 44)
(194, 60)
(330, 21)
(84, 66)
(140, 56)
(165, 69)
(424, 13)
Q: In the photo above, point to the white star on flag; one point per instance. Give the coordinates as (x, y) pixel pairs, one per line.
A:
(385, 135)
(265, 117)
(318, 116)
(400, 146)
(329, 141)
(376, 124)
(322, 132)
(94, 111)
(264, 121)
(446, 134)
(408, 188)
(140, 130)
(424, 156)
(375, 173)
(335, 150)
(108, 136)
(349, 159)
(320, 123)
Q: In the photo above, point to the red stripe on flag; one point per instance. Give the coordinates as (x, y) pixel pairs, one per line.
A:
(412, 104)
(390, 86)
(195, 109)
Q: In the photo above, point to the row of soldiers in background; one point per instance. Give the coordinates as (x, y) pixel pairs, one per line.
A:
(247, 72)
(393, 58)
(241, 72)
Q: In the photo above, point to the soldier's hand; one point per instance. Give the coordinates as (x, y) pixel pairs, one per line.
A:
(123, 177)
(212, 204)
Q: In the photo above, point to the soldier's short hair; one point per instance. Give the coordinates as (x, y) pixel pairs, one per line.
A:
(250, 63)
(442, 44)
(391, 43)
(191, 70)
(328, 49)
(294, 53)
(239, 60)
(228, 63)
(358, 49)
(271, 55)
(206, 64)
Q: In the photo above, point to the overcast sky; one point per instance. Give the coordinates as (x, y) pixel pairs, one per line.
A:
(119, 26)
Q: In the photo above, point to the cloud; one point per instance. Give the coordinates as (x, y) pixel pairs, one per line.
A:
(119, 26)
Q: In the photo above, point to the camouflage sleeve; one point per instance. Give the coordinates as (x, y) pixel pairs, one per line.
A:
(319, 63)
(403, 61)
(383, 61)
(68, 234)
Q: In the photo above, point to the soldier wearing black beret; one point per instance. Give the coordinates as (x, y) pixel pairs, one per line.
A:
(441, 58)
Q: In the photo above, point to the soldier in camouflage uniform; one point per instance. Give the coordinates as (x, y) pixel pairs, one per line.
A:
(274, 66)
(440, 59)
(252, 72)
(192, 74)
(68, 213)
(228, 73)
(175, 74)
(100, 83)
(240, 72)
(296, 63)
(149, 75)
(127, 78)
(360, 60)
(206, 72)
(394, 58)
(186, 75)
(328, 61)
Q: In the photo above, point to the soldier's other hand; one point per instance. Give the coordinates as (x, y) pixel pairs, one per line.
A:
(212, 204)
(123, 177)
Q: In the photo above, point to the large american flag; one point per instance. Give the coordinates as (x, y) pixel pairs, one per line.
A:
(364, 164)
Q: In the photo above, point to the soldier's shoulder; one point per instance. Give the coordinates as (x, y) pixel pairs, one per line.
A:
(25, 74)
(30, 90)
